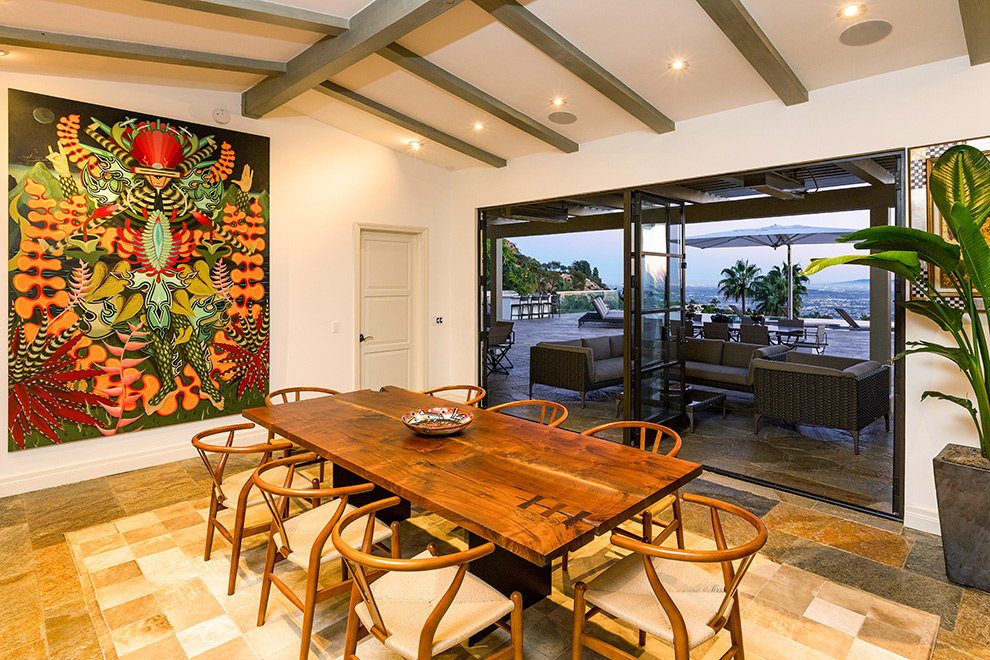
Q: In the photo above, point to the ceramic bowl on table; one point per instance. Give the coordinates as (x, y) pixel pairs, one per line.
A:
(437, 421)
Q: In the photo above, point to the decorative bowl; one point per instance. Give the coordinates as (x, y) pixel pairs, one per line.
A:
(437, 421)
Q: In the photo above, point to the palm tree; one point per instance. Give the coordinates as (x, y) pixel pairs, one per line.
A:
(771, 290)
(737, 281)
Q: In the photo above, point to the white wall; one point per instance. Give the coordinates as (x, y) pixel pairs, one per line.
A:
(323, 182)
(929, 104)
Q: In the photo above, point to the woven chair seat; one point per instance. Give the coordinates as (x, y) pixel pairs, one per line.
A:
(303, 529)
(405, 600)
(624, 591)
(233, 484)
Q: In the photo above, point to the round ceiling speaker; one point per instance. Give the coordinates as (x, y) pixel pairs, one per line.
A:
(865, 33)
(562, 117)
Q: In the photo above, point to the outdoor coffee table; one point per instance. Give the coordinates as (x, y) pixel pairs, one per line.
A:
(698, 399)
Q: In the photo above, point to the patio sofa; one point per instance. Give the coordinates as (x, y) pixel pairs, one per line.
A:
(581, 365)
(725, 364)
(822, 390)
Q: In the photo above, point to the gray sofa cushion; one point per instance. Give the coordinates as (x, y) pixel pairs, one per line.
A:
(570, 342)
(600, 347)
(860, 369)
(830, 361)
(717, 372)
(615, 342)
(796, 367)
(735, 354)
(610, 369)
(704, 350)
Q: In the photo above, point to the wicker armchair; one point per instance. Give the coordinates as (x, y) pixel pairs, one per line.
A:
(822, 390)
(581, 365)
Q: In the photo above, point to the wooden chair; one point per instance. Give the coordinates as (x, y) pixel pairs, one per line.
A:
(754, 334)
(303, 539)
(716, 331)
(551, 413)
(292, 394)
(691, 605)
(235, 511)
(471, 394)
(424, 605)
(671, 501)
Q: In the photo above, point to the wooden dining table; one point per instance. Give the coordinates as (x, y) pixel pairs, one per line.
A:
(533, 490)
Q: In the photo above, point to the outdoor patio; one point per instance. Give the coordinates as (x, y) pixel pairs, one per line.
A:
(813, 459)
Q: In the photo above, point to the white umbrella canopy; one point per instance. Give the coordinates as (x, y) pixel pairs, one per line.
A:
(774, 236)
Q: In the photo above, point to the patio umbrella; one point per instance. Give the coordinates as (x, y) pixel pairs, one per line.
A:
(773, 236)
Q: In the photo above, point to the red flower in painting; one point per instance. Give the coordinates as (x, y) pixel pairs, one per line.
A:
(250, 354)
(39, 398)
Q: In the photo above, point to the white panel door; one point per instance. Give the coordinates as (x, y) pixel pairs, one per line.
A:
(391, 310)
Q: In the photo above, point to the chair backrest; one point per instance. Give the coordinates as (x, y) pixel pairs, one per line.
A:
(469, 395)
(291, 394)
(754, 334)
(660, 431)
(551, 412)
(820, 334)
(716, 330)
(790, 323)
(209, 444)
(599, 304)
(737, 312)
(747, 320)
(277, 490)
(499, 334)
(723, 554)
(845, 317)
(361, 561)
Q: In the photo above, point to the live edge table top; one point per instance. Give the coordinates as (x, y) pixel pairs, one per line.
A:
(534, 490)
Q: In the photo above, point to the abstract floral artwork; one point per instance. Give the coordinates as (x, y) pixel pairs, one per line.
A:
(138, 271)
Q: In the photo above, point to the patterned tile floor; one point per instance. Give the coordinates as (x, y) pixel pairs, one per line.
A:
(113, 568)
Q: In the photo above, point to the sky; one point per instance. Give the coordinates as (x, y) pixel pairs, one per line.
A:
(603, 249)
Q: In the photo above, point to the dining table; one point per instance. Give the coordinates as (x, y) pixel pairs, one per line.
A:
(533, 490)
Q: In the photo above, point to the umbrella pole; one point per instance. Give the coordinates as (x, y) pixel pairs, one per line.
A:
(790, 285)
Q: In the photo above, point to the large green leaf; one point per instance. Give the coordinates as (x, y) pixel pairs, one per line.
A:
(947, 318)
(976, 253)
(960, 357)
(962, 176)
(900, 262)
(958, 400)
(930, 247)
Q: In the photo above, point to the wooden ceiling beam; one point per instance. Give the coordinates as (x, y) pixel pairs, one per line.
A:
(524, 23)
(271, 13)
(868, 170)
(344, 95)
(374, 27)
(74, 43)
(422, 68)
(828, 201)
(976, 26)
(748, 37)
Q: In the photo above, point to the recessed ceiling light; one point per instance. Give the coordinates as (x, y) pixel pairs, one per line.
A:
(2, 52)
(677, 65)
(558, 103)
(865, 33)
(852, 10)
(415, 144)
(478, 126)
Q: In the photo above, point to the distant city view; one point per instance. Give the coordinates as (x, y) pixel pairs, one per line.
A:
(853, 296)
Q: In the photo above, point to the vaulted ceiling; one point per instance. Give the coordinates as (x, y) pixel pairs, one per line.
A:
(396, 71)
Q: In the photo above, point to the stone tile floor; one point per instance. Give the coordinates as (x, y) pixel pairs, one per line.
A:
(131, 533)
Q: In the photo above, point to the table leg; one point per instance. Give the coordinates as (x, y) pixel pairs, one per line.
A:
(508, 572)
(344, 477)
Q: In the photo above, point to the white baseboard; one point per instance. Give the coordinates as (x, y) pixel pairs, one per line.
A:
(60, 475)
(923, 519)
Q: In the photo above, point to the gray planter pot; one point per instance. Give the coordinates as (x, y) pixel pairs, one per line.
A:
(963, 493)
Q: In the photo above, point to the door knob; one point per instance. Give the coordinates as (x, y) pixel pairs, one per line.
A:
(362, 338)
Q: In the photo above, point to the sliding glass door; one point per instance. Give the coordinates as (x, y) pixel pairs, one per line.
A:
(654, 303)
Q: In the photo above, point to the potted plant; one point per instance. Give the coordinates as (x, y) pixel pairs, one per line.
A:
(960, 187)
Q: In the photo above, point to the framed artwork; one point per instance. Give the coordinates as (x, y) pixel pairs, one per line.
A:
(137, 270)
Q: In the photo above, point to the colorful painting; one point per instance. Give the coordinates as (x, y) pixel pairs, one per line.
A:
(138, 271)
